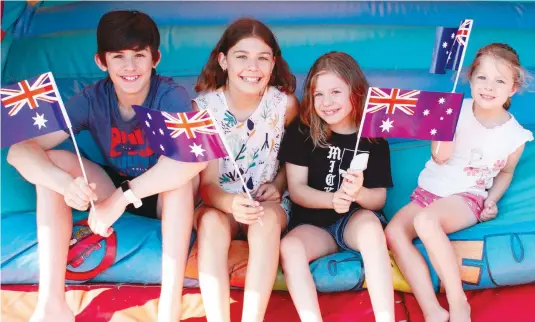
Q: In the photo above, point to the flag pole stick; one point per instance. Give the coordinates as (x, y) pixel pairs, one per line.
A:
(459, 69)
(233, 160)
(462, 57)
(69, 125)
(362, 122)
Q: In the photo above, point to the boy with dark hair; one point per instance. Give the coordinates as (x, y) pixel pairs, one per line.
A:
(134, 177)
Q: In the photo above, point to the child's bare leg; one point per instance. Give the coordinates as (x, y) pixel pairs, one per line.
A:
(443, 217)
(214, 231)
(301, 246)
(54, 228)
(177, 223)
(400, 234)
(364, 233)
(264, 242)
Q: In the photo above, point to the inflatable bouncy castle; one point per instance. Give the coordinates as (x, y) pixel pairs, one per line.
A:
(392, 41)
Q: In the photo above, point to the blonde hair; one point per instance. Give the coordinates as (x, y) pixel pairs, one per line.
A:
(345, 67)
(509, 56)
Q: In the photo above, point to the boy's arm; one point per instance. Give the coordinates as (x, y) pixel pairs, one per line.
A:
(504, 178)
(211, 192)
(32, 162)
(304, 195)
(167, 174)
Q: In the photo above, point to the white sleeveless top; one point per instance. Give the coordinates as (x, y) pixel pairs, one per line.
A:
(478, 156)
(254, 144)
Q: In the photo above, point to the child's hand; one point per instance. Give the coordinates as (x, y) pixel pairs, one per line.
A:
(490, 211)
(352, 183)
(341, 201)
(106, 214)
(268, 192)
(245, 210)
(78, 194)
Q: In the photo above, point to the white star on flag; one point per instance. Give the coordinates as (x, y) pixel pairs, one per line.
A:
(153, 133)
(387, 125)
(442, 100)
(197, 149)
(39, 120)
(444, 44)
(441, 118)
(433, 131)
(148, 116)
(452, 35)
(447, 51)
(161, 147)
(147, 122)
(449, 111)
(426, 112)
(161, 131)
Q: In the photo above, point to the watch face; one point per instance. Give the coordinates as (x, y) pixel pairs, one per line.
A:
(125, 185)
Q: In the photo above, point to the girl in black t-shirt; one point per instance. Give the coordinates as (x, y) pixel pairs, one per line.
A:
(333, 209)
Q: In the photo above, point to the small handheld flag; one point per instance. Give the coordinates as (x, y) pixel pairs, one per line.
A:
(186, 137)
(450, 46)
(31, 108)
(422, 115)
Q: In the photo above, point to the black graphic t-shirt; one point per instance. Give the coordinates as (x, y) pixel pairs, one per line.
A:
(324, 166)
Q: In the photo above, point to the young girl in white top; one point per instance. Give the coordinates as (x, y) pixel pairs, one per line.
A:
(462, 183)
(247, 86)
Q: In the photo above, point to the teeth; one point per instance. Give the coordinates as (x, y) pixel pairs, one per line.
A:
(251, 79)
(330, 112)
(130, 78)
(487, 97)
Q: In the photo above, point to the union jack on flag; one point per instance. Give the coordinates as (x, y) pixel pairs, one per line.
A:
(450, 45)
(464, 32)
(28, 92)
(391, 99)
(182, 123)
(424, 115)
(31, 108)
(164, 131)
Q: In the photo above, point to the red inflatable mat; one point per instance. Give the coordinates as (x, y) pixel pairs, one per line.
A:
(516, 303)
(125, 303)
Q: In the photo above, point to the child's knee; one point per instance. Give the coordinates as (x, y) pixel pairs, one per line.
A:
(211, 221)
(273, 214)
(394, 233)
(289, 247)
(424, 222)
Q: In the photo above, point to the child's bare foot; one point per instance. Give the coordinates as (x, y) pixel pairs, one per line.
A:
(52, 313)
(440, 315)
(460, 312)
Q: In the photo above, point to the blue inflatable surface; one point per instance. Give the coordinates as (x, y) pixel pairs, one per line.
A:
(391, 40)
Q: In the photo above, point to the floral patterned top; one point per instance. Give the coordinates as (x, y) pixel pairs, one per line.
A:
(254, 143)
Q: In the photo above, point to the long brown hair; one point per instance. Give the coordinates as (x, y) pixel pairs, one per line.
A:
(345, 67)
(213, 76)
(509, 56)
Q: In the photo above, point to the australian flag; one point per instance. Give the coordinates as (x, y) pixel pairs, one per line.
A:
(450, 43)
(31, 108)
(186, 137)
(421, 115)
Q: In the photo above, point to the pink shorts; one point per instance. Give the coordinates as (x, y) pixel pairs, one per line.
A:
(424, 198)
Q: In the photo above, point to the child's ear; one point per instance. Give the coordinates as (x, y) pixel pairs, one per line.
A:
(222, 60)
(99, 63)
(154, 64)
(513, 91)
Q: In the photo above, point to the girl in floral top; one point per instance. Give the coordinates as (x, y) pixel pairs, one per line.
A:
(247, 87)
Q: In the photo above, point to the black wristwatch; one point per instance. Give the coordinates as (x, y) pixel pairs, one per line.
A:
(129, 194)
